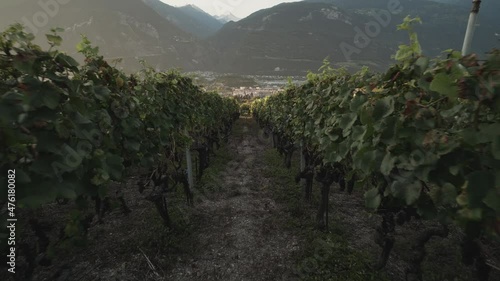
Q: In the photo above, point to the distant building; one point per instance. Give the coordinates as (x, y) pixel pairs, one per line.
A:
(254, 91)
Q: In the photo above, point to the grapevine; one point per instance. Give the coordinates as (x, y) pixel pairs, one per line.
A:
(422, 140)
(71, 130)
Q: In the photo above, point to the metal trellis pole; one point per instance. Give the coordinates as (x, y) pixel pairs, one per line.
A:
(471, 26)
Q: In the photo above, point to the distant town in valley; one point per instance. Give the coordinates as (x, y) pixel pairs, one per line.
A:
(249, 86)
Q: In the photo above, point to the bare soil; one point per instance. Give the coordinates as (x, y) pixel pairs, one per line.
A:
(238, 232)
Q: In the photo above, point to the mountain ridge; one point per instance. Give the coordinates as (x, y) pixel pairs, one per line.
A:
(291, 38)
(127, 29)
(227, 18)
(287, 39)
(189, 18)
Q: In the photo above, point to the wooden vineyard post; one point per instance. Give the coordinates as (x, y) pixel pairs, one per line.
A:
(302, 163)
(302, 158)
(189, 163)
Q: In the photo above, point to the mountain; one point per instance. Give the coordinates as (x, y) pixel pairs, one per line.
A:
(292, 38)
(287, 39)
(453, 2)
(126, 29)
(488, 9)
(211, 23)
(227, 18)
(190, 18)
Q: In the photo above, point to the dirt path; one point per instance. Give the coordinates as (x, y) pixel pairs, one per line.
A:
(239, 236)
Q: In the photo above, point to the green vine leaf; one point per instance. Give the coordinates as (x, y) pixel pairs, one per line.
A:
(373, 199)
(444, 85)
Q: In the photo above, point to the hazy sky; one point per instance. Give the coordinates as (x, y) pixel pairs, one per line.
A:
(239, 8)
